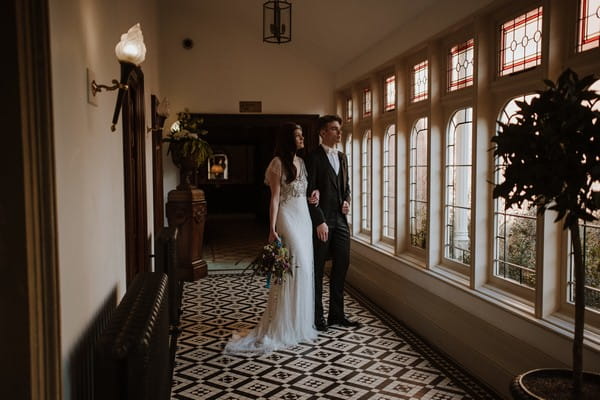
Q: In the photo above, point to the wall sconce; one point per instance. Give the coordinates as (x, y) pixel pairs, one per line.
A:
(277, 21)
(131, 52)
(160, 115)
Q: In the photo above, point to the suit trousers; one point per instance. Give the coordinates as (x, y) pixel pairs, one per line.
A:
(338, 246)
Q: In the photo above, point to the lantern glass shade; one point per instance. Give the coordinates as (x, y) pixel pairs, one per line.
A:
(277, 21)
(163, 108)
(131, 49)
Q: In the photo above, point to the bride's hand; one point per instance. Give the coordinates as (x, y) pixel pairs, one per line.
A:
(273, 236)
(314, 197)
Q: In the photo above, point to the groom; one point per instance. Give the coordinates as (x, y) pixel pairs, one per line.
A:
(328, 173)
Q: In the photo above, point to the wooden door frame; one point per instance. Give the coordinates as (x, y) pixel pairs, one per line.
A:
(157, 167)
(137, 257)
(30, 306)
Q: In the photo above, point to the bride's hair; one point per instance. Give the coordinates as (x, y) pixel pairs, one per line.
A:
(285, 149)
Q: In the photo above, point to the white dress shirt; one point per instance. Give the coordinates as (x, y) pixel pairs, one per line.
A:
(332, 155)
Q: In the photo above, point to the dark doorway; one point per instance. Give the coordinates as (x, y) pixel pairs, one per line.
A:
(247, 142)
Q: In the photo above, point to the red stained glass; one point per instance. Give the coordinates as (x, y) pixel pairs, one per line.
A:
(419, 82)
(460, 65)
(589, 25)
(390, 93)
(367, 102)
(521, 42)
(349, 109)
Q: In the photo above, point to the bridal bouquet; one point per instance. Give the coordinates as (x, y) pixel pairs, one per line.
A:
(273, 262)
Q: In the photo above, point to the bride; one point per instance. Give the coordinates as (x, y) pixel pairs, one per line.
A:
(289, 316)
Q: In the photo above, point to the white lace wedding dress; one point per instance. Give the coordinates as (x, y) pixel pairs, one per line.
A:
(289, 315)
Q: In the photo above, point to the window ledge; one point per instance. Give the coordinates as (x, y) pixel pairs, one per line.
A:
(556, 323)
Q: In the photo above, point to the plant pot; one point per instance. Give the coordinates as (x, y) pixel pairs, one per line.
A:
(187, 167)
(553, 384)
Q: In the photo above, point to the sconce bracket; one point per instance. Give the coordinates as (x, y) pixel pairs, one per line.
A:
(116, 85)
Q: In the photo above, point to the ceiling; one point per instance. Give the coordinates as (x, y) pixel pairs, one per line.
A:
(338, 31)
(330, 32)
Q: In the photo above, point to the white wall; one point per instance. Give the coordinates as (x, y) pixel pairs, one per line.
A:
(227, 65)
(89, 157)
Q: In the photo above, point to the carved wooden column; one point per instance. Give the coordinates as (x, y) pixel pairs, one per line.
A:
(186, 210)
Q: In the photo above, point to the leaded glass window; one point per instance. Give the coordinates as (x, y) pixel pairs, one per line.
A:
(589, 25)
(457, 207)
(365, 178)
(418, 197)
(389, 183)
(514, 228)
(419, 82)
(348, 149)
(460, 65)
(390, 93)
(349, 109)
(367, 103)
(521, 42)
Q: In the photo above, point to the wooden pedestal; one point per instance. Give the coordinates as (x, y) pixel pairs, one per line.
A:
(186, 210)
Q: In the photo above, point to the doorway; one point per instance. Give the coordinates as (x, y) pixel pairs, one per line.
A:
(238, 207)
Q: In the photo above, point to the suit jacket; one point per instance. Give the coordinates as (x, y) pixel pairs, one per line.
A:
(334, 189)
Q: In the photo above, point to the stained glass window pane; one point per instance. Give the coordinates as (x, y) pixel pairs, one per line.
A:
(419, 79)
(589, 25)
(457, 207)
(367, 102)
(418, 196)
(514, 228)
(349, 156)
(349, 109)
(390, 93)
(365, 177)
(389, 183)
(460, 65)
(521, 42)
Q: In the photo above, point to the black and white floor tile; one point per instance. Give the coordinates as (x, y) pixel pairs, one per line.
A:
(381, 360)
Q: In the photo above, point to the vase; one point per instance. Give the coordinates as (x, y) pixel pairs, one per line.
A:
(187, 167)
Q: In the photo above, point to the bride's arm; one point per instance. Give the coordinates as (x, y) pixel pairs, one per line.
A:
(275, 186)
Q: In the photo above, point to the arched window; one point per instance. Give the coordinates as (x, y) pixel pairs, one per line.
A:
(457, 207)
(365, 186)
(348, 149)
(418, 197)
(514, 228)
(590, 238)
(389, 183)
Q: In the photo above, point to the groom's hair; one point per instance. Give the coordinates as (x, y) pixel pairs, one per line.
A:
(325, 119)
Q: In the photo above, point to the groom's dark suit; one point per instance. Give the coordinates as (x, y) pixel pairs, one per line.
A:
(334, 190)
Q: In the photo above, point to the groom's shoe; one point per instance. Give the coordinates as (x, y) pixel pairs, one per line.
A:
(345, 322)
(321, 325)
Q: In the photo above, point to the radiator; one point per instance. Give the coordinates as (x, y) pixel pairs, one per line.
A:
(132, 354)
(165, 261)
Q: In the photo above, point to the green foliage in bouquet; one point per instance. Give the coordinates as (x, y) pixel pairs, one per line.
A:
(273, 262)
(185, 139)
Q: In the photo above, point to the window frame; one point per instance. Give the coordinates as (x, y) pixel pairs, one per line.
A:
(410, 247)
(455, 265)
(456, 43)
(384, 196)
(366, 150)
(389, 107)
(367, 99)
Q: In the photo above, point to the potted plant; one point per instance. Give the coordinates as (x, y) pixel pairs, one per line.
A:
(550, 157)
(187, 148)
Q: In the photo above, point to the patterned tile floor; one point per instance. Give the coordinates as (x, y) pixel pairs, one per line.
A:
(381, 360)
